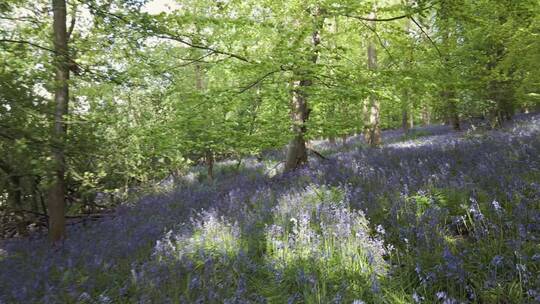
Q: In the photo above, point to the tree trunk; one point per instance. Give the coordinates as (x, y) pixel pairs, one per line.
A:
(405, 121)
(453, 116)
(448, 94)
(426, 116)
(372, 131)
(297, 152)
(14, 196)
(332, 113)
(405, 101)
(15, 202)
(14, 187)
(500, 91)
(14, 191)
(57, 192)
(209, 158)
(199, 86)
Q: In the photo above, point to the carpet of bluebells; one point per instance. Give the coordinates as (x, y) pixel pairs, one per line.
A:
(434, 216)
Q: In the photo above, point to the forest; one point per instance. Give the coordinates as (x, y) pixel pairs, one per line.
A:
(270, 151)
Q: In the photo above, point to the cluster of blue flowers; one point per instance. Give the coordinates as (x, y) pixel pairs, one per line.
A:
(445, 218)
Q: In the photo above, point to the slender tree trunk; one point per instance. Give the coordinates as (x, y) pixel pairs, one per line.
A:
(57, 192)
(14, 191)
(448, 93)
(297, 152)
(332, 113)
(14, 196)
(30, 190)
(199, 86)
(209, 158)
(372, 132)
(405, 101)
(404, 112)
(453, 115)
(426, 116)
(500, 91)
(15, 201)
(14, 187)
(39, 195)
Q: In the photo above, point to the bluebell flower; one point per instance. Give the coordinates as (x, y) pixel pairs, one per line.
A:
(440, 295)
(417, 298)
(475, 210)
(496, 206)
(380, 230)
(497, 260)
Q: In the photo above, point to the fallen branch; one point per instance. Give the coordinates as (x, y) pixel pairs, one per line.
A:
(273, 168)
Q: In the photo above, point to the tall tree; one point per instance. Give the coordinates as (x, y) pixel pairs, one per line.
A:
(448, 93)
(372, 132)
(57, 192)
(405, 99)
(297, 152)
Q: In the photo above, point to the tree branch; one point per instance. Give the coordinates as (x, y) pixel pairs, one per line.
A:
(85, 69)
(166, 35)
(191, 61)
(72, 23)
(376, 19)
(28, 43)
(202, 47)
(260, 79)
(426, 34)
(21, 19)
(380, 42)
(386, 19)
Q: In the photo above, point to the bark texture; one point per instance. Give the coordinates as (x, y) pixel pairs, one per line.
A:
(297, 152)
(372, 130)
(405, 120)
(57, 192)
(406, 109)
(209, 158)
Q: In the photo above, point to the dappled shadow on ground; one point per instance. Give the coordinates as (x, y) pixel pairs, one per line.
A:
(309, 247)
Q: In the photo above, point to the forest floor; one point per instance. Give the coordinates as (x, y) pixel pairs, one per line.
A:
(434, 216)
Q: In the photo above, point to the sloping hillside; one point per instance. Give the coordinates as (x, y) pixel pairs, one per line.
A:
(439, 216)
